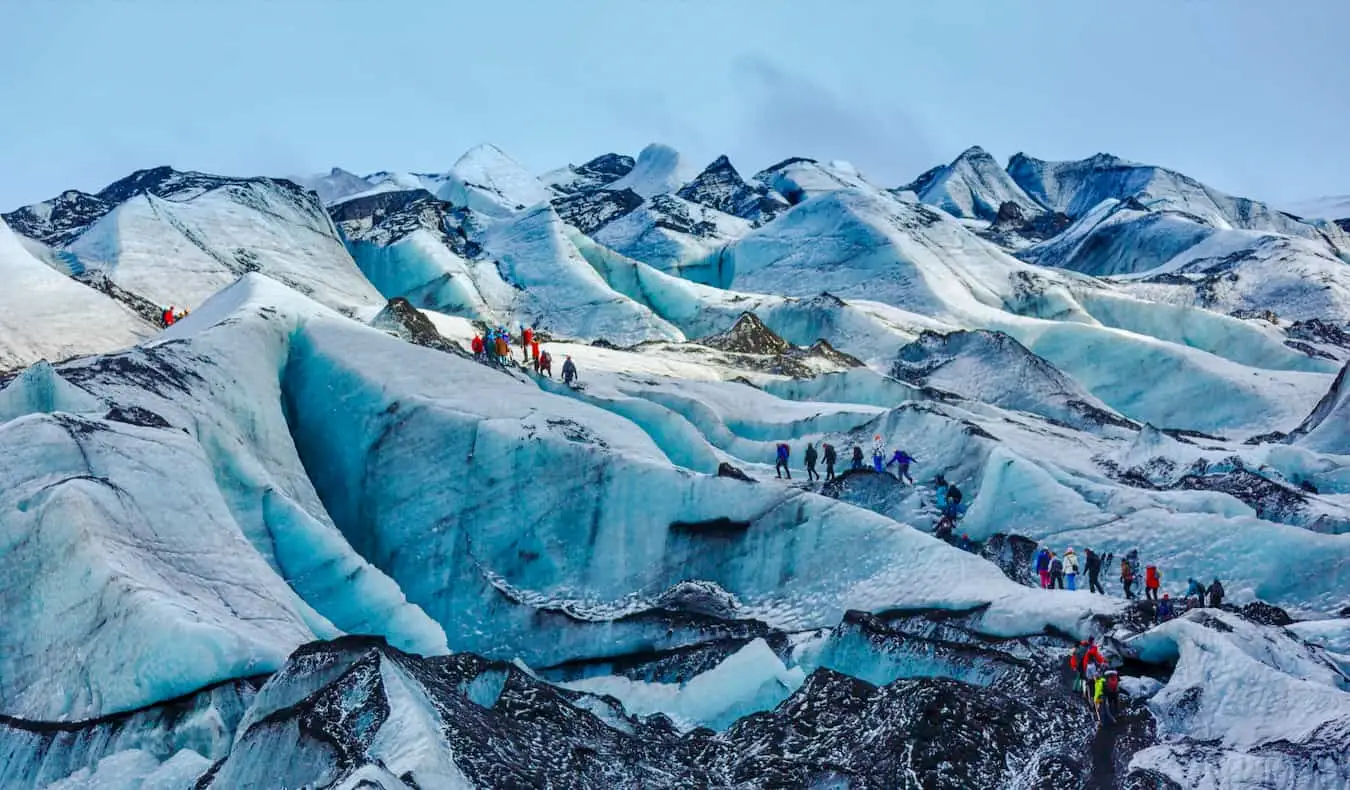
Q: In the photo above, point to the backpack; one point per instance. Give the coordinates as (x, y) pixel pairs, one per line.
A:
(829, 450)
(1126, 571)
(953, 494)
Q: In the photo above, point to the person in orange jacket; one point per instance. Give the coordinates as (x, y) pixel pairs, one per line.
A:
(1152, 581)
(503, 350)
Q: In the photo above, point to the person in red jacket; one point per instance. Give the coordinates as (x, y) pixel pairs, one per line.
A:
(1152, 581)
(526, 340)
(1086, 653)
(477, 346)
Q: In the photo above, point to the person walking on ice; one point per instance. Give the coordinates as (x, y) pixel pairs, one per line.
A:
(1152, 581)
(857, 458)
(811, 473)
(569, 371)
(781, 467)
(878, 454)
(902, 460)
(1071, 568)
(829, 461)
(1043, 567)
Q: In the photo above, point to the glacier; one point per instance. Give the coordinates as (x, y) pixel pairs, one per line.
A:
(303, 538)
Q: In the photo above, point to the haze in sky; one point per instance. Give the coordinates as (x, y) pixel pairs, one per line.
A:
(1250, 96)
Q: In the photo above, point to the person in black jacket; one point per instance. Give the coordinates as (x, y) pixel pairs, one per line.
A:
(1215, 595)
(1095, 562)
(829, 462)
(857, 458)
(811, 455)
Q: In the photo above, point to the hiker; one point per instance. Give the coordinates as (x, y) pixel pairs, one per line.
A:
(811, 473)
(569, 371)
(546, 364)
(1196, 590)
(1111, 694)
(1071, 568)
(503, 349)
(781, 468)
(966, 543)
(1165, 610)
(857, 458)
(1215, 594)
(902, 460)
(526, 340)
(1095, 562)
(1043, 567)
(1056, 572)
(878, 454)
(477, 346)
(1085, 654)
(534, 353)
(167, 317)
(1127, 577)
(829, 461)
(1152, 581)
(1091, 671)
(949, 504)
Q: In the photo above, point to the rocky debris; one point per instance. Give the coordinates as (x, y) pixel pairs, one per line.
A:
(330, 713)
(1265, 614)
(139, 305)
(384, 218)
(759, 348)
(1330, 410)
(402, 319)
(596, 174)
(591, 211)
(721, 187)
(749, 335)
(725, 469)
(1009, 213)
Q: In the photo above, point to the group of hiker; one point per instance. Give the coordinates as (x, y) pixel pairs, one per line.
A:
(1061, 572)
(900, 459)
(494, 347)
(1096, 680)
(783, 452)
(169, 315)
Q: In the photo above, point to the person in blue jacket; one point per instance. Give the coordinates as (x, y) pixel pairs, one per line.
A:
(902, 460)
(781, 468)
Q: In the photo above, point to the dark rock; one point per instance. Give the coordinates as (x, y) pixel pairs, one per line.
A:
(384, 218)
(725, 469)
(591, 211)
(135, 415)
(1266, 614)
(749, 335)
(720, 187)
(717, 527)
(1009, 213)
(412, 325)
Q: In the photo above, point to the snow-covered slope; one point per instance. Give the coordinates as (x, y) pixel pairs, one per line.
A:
(1077, 187)
(176, 238)
(1224, 269)
(973, 186)
(488, 181)
(44, 314)
(659, 170)
(668, 232)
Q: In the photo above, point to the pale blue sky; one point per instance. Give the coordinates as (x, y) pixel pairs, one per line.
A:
(1252, 96)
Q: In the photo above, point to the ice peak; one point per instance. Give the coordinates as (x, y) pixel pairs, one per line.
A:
(41, 390)
(659, 170)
